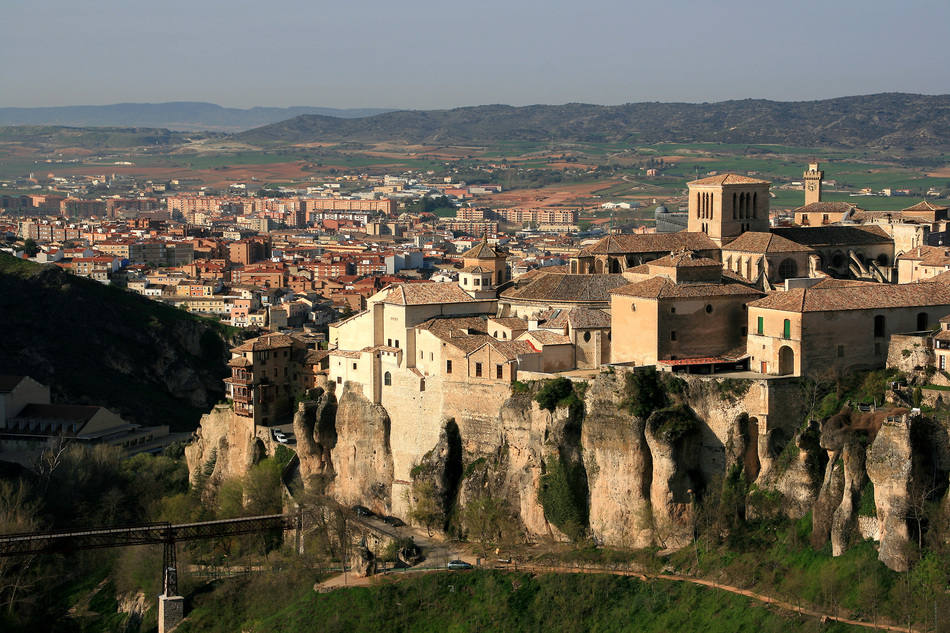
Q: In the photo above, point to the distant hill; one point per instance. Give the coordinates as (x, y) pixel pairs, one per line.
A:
(91, 138)
(891, 120)
(176, 115)
(97, 344)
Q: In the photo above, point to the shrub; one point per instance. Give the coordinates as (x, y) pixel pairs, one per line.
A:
(562, 493)
(555, 393)
(867, 507)
(644, 393)
(673, 423)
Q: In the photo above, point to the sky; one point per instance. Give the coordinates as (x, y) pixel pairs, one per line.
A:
(424, 54)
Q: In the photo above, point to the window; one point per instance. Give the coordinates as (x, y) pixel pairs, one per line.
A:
(431, 356)
(841, 351)
(387, 379)
(786, 329)
(422, 355)
(448, 367)
(709, 308)
(673, 310)
(397, 343)
(354, 365)
(478, 370)
(633, 307)
(760, 325)
(499, 370)
(587, 337)
(673, 335)
(464, 281)
(879, 323)
(339, 380)
(389, 342)
(943, 362)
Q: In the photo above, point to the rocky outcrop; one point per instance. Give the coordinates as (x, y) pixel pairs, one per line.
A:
(671, 435)
(619, 468)
(315, 431)
(435, 479)
(362, 562)
(362, 460)
(844, 524)
(225, 446)
(828, 501)
(889, 466)
(795, 471)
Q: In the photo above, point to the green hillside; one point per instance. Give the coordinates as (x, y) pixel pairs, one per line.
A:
(98, 344)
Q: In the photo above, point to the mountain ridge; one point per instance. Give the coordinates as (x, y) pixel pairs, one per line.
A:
(880, 121)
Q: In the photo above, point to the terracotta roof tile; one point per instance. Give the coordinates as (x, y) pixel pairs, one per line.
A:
(834, 235)
(424, 293)
(761, 242)
(650, 243)
(864, 297)
(663, 288)
(555, 287)
(729, 179)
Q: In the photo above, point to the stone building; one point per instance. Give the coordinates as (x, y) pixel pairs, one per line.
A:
(858, 252)
(266, 375)
(548, 290)
(726, 206)
(838, 325)
(617, 253)
(922, 263)
(683, 310)
(767, 259)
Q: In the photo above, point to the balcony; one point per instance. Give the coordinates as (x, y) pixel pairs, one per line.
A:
(242, 409)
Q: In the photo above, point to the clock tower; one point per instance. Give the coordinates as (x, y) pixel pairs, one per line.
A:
(813, 183)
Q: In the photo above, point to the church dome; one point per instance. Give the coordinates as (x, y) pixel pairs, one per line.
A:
(661, 209)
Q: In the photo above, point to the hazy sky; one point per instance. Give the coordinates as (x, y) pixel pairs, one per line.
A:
(425, 54)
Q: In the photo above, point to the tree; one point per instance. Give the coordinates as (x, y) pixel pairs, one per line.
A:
(30, 247)
(426, 509)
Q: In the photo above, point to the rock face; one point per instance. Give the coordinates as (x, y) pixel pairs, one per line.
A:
(844, 522)
(591, 468)
(619, 469)
(315, 431)
(435, 479)
(361, 458)
(226, 445)
(889, 465)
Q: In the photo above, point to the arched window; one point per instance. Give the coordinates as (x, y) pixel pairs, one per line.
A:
(387, 379)
(755, 200)
(587, 337)
(787, 269)
(735, 203)
(879, 323)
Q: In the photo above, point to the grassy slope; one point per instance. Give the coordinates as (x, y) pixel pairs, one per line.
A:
(103, 345)
(490, 601)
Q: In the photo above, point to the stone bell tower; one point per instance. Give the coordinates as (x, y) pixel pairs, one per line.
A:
(813, 183)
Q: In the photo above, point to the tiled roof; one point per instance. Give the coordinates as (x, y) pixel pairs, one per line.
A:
(729, 179)
(863, 297)
(663, 288)
(406, 294)
(685, 259)
(575, 316)
(262, 343)
(510, 350)
(925, 205)
(346, 353)
(928, 255)
(650, 243)
(834, 235)
(761, 242)
(60, 412)
(481, 251)
(447, 328)
(239, 361)
(555, 287)
(827, 207)
(510, 322)
(475, 269)
(546, 337)
(316, 355)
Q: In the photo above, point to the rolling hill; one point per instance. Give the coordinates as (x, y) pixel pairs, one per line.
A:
(883, 121)
(177, 115)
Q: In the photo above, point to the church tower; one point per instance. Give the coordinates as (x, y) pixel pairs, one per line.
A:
(727, 205)
(813, 183)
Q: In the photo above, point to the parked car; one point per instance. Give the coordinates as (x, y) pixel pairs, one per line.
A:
(393, 521)
(279, 436)
(458, 564)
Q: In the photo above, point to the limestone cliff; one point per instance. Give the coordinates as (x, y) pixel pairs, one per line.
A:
(362, 459)
(889, 466)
